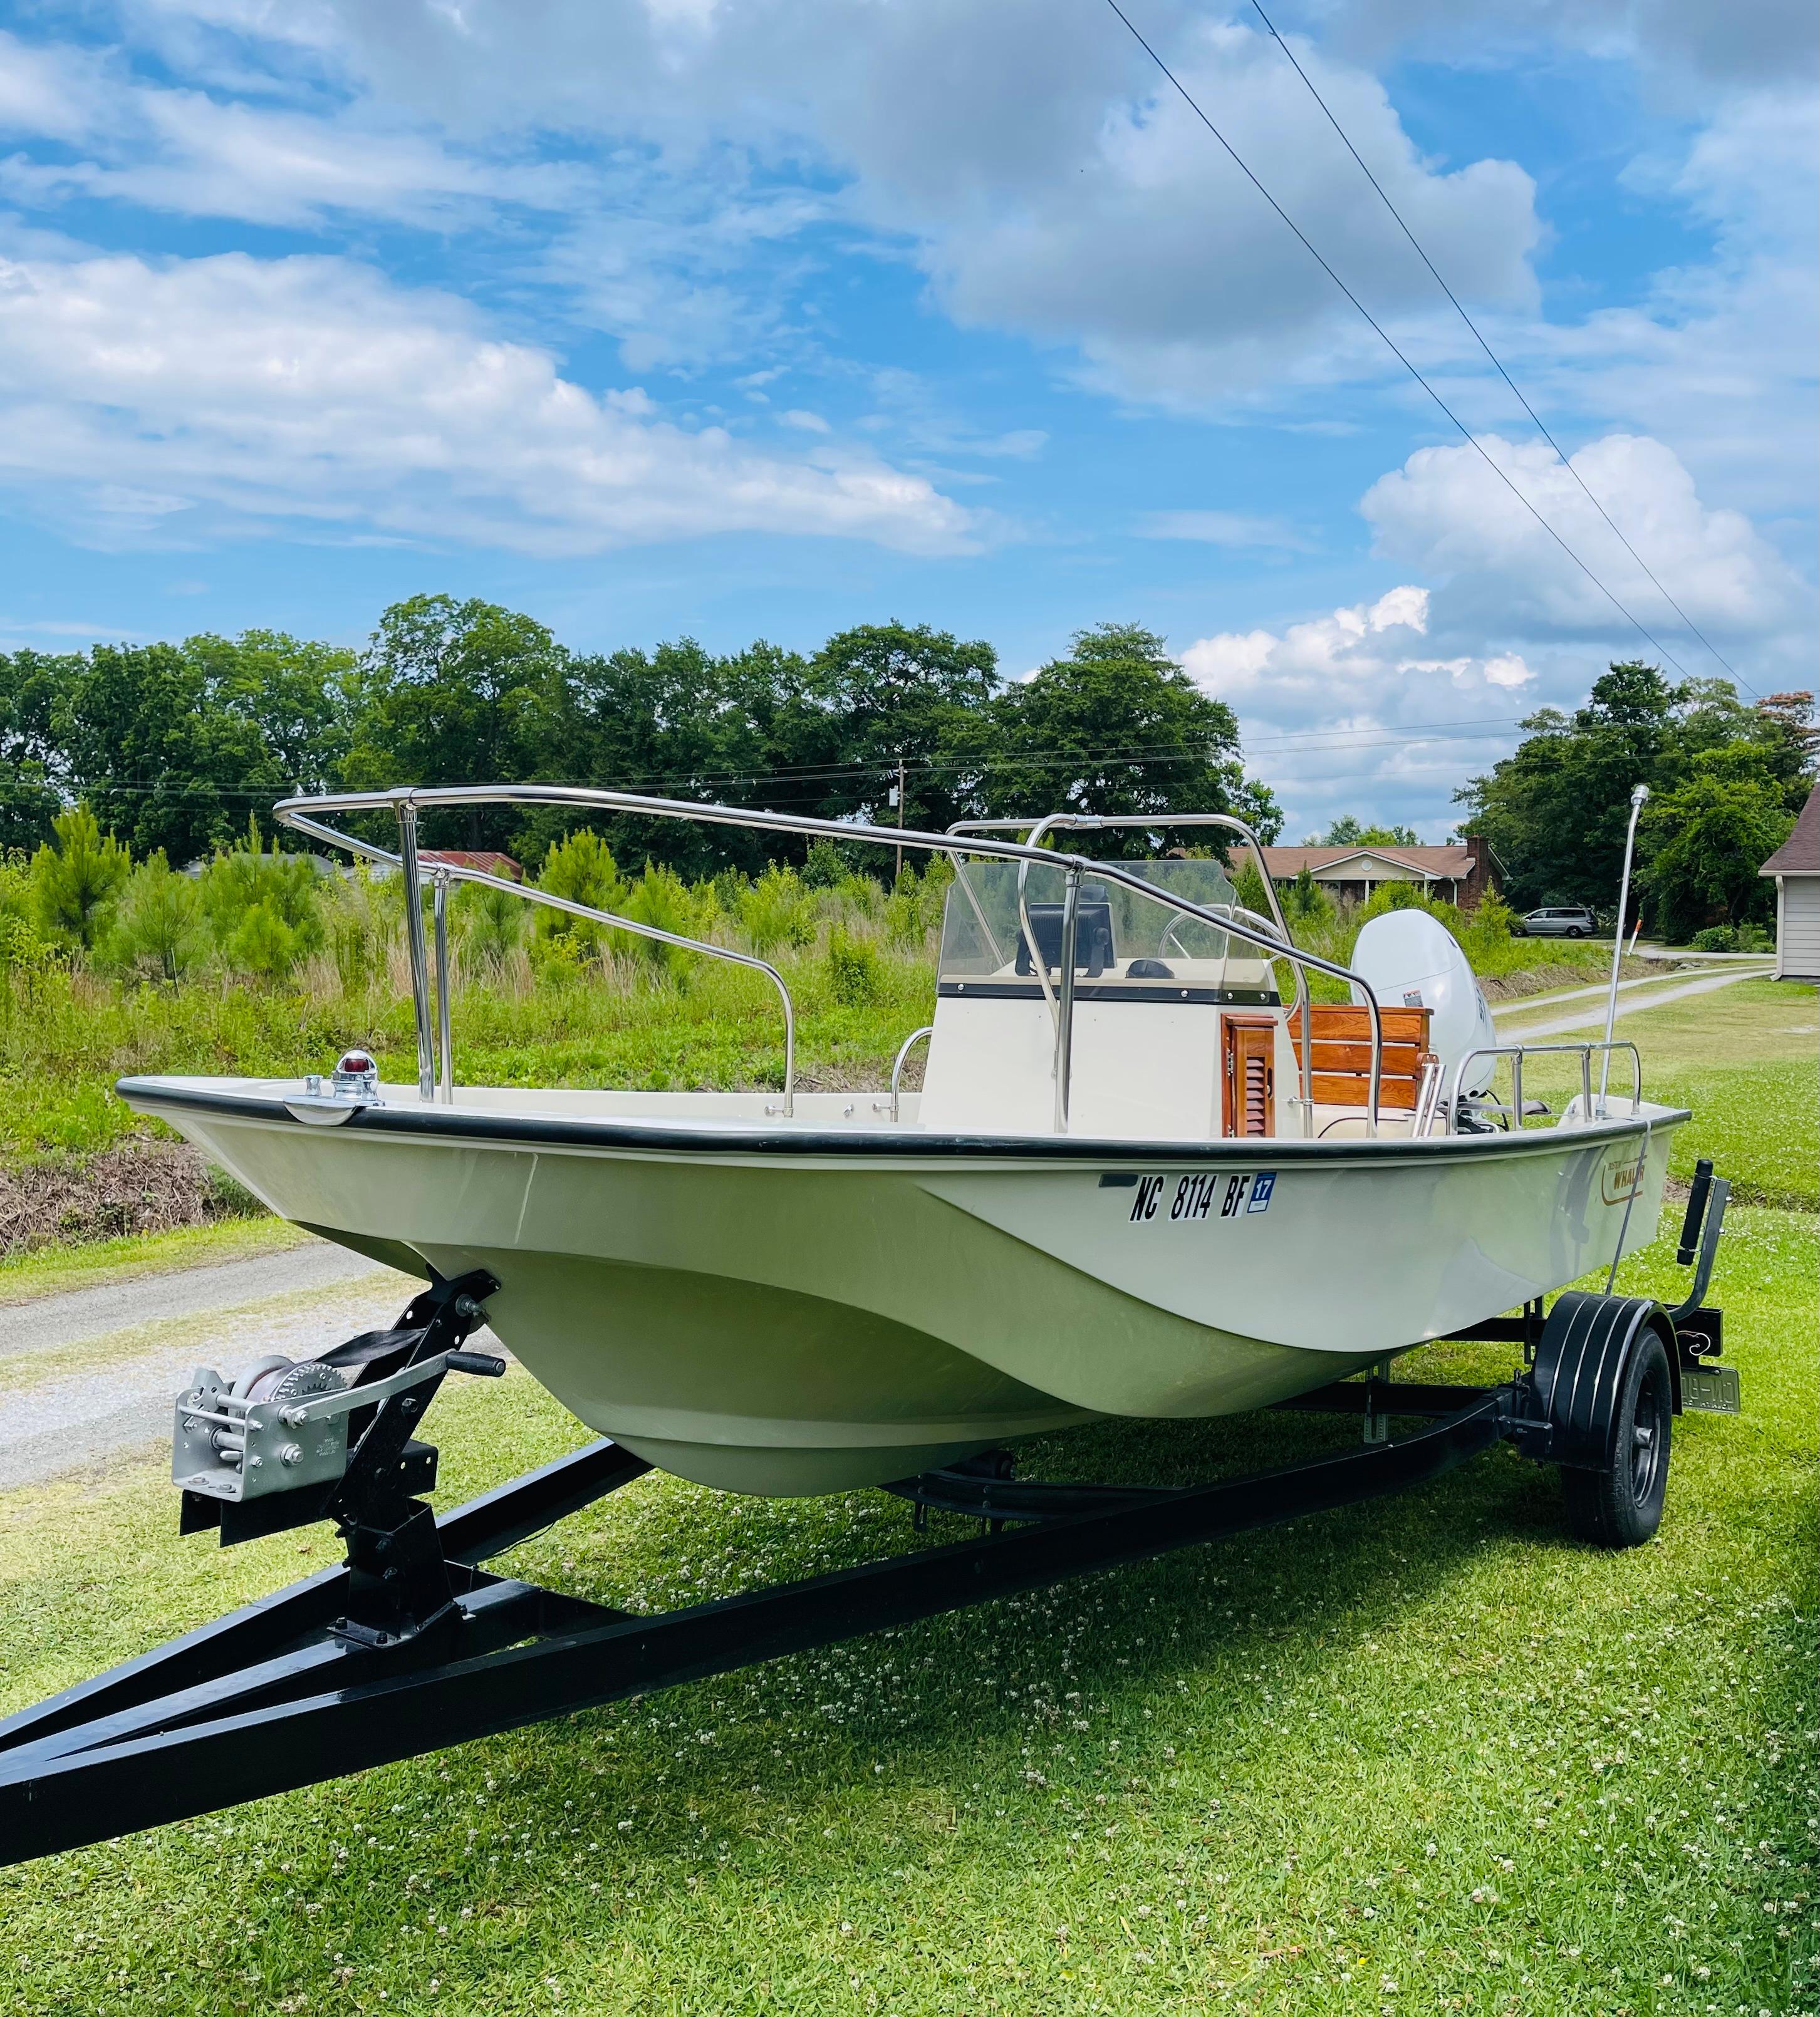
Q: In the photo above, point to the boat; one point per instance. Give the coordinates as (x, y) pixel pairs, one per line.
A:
(1135, 1181)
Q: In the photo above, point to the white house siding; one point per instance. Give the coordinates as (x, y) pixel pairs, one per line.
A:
(1798, 927)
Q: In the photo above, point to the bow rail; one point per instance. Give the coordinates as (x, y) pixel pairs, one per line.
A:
(406, 802)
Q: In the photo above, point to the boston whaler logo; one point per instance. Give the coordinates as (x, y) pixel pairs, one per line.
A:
(1195, 1196)
(1618, 1181)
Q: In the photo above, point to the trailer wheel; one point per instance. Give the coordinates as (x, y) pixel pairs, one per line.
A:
(1619, 1504)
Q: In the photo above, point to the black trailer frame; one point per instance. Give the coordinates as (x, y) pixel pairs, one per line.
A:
(410, 1645)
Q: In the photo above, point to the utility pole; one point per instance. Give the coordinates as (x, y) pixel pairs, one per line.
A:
(901, 821)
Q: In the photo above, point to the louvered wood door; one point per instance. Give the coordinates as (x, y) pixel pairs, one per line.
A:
(1250, 1076)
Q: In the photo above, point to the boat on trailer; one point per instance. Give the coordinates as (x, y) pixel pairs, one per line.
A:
(1126, 1187)
(1134, 1183)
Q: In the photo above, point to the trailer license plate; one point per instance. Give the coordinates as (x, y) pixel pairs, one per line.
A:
(1712, 1388)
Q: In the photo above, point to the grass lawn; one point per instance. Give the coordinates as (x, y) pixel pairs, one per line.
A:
(1426, 1755)
(49, 1271)
(1742, 1059)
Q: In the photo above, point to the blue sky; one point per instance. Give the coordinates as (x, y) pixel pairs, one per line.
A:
(742, 318)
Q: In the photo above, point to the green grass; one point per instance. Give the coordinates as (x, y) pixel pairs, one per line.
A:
(64, 1039)
(49, 1271)
(1429, 1743)
(1742, 1059)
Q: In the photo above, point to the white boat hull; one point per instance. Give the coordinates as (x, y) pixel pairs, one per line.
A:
(802, 1307)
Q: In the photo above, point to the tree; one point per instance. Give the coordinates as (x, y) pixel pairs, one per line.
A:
(1712, 836)
(1555, 811)
(898, 694)
(1346, 832)
(158, 759)
(1116, 726)
(158, 921)
(75, 878)
(581, 868)
(677, 722)
(295, 692)
(28, 749)
(457, 693)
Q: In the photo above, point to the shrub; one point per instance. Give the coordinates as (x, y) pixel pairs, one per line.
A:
(75, 879)
(911, 910)
(1715, 938)
(1248, 887)
(1305, 902)
(660, 898)
(853, 968)
(487, 923)
(241, 880)
(581, 868)
(775, 910)
(158, 924)
(1395, 896)
(823, 867)
(263, 944)
(363, 914)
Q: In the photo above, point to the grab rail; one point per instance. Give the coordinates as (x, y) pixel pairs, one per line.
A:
(909, 1043)
(1036, 830)
(405, 801)
(438, 1083)
(1517, 1052)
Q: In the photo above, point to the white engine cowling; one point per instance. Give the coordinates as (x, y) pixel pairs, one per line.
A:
(1412, 960)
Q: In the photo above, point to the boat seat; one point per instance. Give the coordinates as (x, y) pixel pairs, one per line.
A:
(1094, 951)
(1342, 1055)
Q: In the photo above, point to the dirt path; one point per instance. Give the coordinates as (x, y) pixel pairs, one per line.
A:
(1593, 1018)
(86, 1375)
(79, 1314)
(1535, 1004)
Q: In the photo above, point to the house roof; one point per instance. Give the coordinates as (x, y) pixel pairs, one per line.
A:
(1444, 863)
(486, 859)
(1799, 854)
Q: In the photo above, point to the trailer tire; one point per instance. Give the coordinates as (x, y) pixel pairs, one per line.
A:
(1619, 1505)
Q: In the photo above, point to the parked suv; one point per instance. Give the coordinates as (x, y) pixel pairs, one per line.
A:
(1567, 920)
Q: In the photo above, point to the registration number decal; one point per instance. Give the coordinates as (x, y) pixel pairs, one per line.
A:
(1204, 1196)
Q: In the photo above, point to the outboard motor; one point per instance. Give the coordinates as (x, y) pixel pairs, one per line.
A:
(1412, 960)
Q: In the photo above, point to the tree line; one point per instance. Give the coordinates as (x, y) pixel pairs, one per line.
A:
(171, 746)
(1726, 780)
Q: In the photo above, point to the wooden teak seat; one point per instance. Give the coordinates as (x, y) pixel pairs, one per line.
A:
(1342, 1055)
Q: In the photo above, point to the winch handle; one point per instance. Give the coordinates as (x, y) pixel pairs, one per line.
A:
(482, 1363)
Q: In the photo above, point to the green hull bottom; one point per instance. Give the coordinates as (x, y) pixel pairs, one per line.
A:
(757, 1389)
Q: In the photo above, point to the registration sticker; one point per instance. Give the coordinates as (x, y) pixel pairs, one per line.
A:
(1262, 1186)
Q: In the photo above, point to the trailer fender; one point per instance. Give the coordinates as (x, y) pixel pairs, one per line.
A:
(1581, 1360)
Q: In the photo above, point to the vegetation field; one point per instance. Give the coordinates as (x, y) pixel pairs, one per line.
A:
(1429, 1755)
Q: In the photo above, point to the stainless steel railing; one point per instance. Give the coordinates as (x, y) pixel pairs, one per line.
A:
(405, 802)
(436, 1081)
(1517, 1052)
(903, 1058)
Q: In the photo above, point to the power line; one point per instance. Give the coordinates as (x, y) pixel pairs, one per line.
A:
(1635, 622)
(1497, 365)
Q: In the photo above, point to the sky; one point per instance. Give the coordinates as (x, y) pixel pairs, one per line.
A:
(733, 318)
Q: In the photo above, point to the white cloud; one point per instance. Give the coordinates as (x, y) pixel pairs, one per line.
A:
(1380, 709)
(1223, 528)
(147, 397)
(807, 423)
(1446, 513)
(1047, 183)
(183, 150)
(1355, 712)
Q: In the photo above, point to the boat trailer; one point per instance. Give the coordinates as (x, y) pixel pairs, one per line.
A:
(409, 1645)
